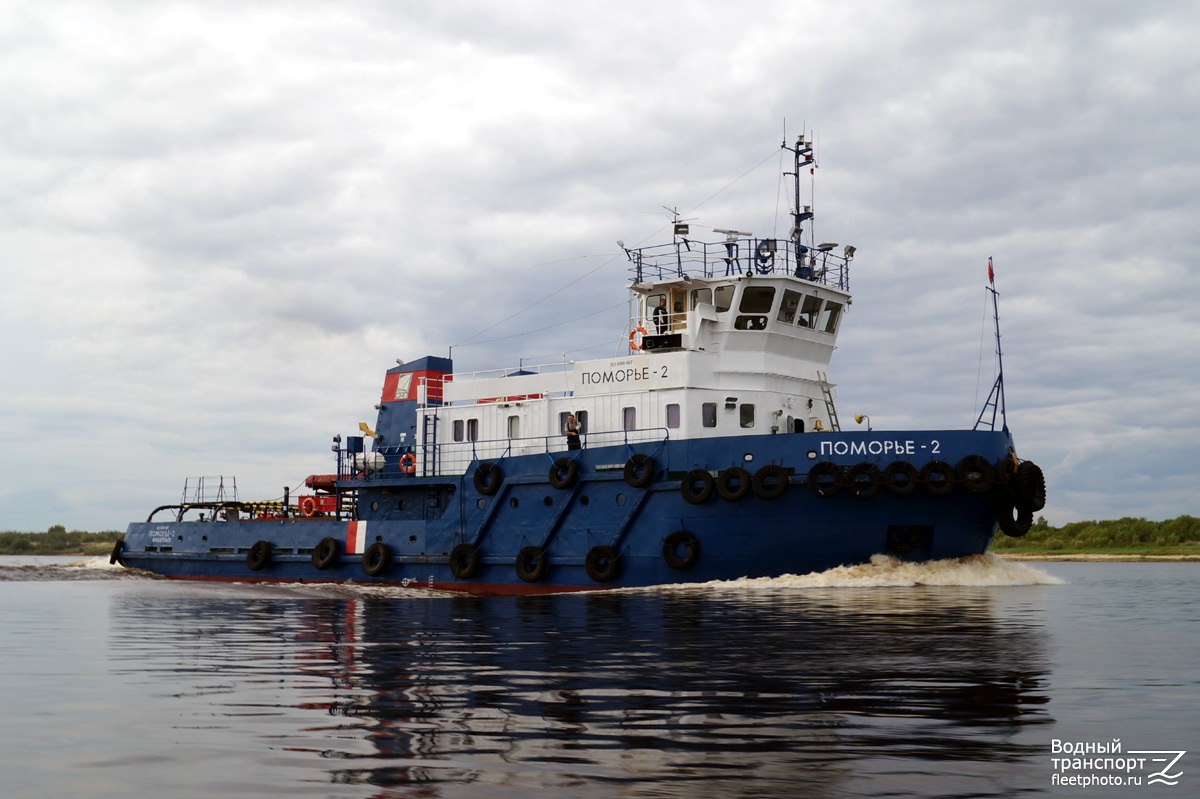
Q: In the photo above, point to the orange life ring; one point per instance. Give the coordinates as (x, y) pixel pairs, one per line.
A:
(633, 345)
(408, 463)
(308, 507)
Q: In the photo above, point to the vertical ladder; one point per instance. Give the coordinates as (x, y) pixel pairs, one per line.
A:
(834, 425)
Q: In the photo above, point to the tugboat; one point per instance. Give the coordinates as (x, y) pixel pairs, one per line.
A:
(710, 450)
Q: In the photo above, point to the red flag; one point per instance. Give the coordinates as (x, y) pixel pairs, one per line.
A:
(991, 275)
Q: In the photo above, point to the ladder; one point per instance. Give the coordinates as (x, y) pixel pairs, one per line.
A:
(834, 425)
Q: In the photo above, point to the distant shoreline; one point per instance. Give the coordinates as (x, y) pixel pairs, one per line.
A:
(1096, 557)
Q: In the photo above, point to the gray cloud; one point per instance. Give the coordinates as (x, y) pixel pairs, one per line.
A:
(219, 223)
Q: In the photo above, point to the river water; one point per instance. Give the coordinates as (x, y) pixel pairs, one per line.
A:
(971, 679)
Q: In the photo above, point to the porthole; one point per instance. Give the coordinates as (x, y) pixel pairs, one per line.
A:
(620, 499)
(583, 500)
(401, 505)
(374, 505)
(481, 503)
(514, 502)
(547, 502)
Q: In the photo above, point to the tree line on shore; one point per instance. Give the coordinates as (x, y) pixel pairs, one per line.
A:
(1124, 533)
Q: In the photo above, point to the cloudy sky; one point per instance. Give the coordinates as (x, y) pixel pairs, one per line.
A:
(221, 222)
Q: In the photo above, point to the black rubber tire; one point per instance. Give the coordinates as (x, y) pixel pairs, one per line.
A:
(464, 561)
(602, 564)
(639, 470)
(733, 484)
(376, 559)
(904, 486)
(1017, 526)
(825, 479)
(770, 482)
(487, 478)
(975, 474)
(259, 556)
(325, 553)
(671, 550)
(564, 473)
(532, 564)
(693, 493)
(937, 477)
(865, 480)
(1030, 486)
(117, 556)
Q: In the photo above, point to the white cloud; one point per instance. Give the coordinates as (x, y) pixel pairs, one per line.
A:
(219, 223)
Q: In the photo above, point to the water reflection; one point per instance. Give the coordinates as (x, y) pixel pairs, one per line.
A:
(821, 692)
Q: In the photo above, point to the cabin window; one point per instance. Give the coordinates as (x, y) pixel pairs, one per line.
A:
(757, 299)
(629, 418)
(459, 429)
(809, 311)
(789, 306)
(701, 297)
(472, 430)
(829, 318)
(708, 414)
(724, 297)
(746, 415)
(514, 427)
(673, 415)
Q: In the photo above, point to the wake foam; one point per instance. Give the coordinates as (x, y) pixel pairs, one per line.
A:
(986, 570)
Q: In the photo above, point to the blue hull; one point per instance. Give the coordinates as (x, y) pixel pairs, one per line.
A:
(516, 533)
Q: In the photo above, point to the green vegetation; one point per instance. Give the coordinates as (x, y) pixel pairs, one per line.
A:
(1122, 537)
(57, 541)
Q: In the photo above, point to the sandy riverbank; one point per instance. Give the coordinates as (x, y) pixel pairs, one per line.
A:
(1084, 556)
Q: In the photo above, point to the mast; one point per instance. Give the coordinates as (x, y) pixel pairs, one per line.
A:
(995, 399)
(802, 153)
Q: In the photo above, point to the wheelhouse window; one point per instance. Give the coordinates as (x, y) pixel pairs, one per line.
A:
(629, 418)
(757, 299)
(708, 414)
(789, 307)
(723, 296)
(809, 312)
(746, 415)
(701, 297)
(673, 415)
(830, 316)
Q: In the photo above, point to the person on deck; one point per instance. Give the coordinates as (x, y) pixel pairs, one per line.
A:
(661, 316)
(572, 432)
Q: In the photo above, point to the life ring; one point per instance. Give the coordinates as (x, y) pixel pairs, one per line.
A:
(532, 564)
(975, 474)
(770, 482)
(639, 470)
(564, 473)
(325, 553)
(1030, 486)
(464, 561)
(733, 484)
(825, 479)
(681, 550)
(900, 478)
(865, 480)
(408, 463)
(697, 486)
(259, 556)
(308, 507)
(601, 564)
(115, 556)
(634, 344)
(487, 478)
(376, 559)
(938, 477)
